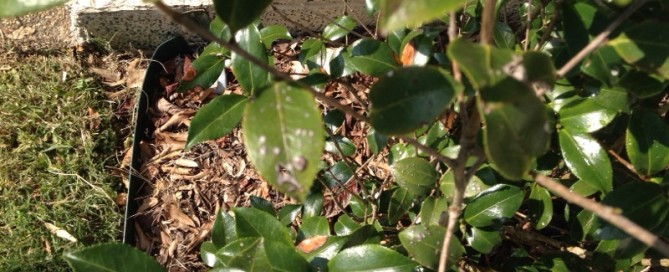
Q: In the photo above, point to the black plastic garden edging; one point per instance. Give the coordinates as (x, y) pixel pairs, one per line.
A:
(144, 129)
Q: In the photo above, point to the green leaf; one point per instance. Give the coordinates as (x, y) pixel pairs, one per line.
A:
(647, 142)
(540, 207)
(602, 65)
(344, 144)
(262, 204)
(313, 205)
(370, 258)
(516, 128)
(247, 254)
(251, 77)
(284, 138)
(372, 57)
(345, 225)
(482, 240)
(376, 141)
(586, 223)
(415, 174)
(424, 245)
(284, 257)
(272, 33)
(240, 13)
(256, 223)
(494, 205)
(315, 226)
(408, 98)
(643, 203)
(582, 188)
(220, 29)
(289, 213)
(339, 28)
(207, 69)
(216, 119)
(319, 256)
(432, 209)
(503, 36)
(99, 258)
(12, 8)
(643, 85)
(644, 45)
(208, 253)
(400, 203)
(338, 174)
(482, 64)
(372, 6)
(586, 159)
(586, 115)
(223, 231)
(396, 14)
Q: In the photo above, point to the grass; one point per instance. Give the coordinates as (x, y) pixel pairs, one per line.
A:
(53, 159)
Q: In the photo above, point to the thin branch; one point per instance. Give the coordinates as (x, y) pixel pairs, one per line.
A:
(452, 35)
(551, 24)
(601, 38)
(528, 25)
(488, 21)
(610, 214)
(360, 22)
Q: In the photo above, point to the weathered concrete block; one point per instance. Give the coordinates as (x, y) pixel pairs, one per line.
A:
(134, 23)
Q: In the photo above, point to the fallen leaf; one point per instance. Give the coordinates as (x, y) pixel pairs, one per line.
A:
(175, 213)
(408, 54)
(60, 232)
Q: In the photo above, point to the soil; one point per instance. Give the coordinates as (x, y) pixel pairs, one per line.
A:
(37, 31)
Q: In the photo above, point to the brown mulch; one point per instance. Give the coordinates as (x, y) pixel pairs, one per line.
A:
(184, 190)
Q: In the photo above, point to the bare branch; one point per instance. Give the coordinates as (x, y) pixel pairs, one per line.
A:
(488, 21)
(601, 38)
(610, 214)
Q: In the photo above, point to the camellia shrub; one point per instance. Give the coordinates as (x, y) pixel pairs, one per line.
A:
(521, 135)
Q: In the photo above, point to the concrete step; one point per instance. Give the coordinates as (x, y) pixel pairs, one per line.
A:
(136, 24)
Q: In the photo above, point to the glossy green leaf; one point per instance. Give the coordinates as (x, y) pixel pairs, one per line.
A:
(647, 142)
(238, 14)
(396, 14)
(482, 64)
(339, 28)
(329, 249)
(540, 207)
(614, 98)
(370, 258)
(503, 36)
(338, 174)
(313, 205)
(424, 245)
(208, 253)
(272, 33)
(406, 99)
(516, 128)
(372, 57)
(345, 225)
(586, 224)
(643, 85)
(220, 29)
(432, 210)
(602, 65)
(644, 203)
(494, 205)
(376, 141)
(585, 115)
(289, 213)
(400, 203)
(283, 134)
(251, 77)
(207, 69)
(247, 254)
(644, 45)
(223, 231)
(216, 119)
(482, 240)
(582, 188)
(415, 174)
(97, 258)
(252, 222)
(11, 8)
(262, 204)
(372, 6)
(284, 257)
(586, 159)
(395, 40)
(343, 144)
(315, 226)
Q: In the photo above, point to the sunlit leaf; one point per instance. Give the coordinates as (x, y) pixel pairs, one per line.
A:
(400, 202)
(273, 33)
(262, 204)
(203, 73)
(540, 207)
(642, 202)
(372, 57)
(251, 77)
(644, 45)
(585, 115)
(483, 241)
(370, 258)
(99, 258)
(216, 119)
(494, 205)
(432, 209)
(339, 28)
(647, 142)
(424, 245)
(284, 138)
(223, 231)
(208, 253)
(587, 159)
(401, 13)
(252, 222)
(415, 174)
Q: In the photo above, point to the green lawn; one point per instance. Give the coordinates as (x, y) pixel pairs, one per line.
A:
(53, 162)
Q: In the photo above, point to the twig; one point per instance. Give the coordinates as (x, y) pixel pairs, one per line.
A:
(551, 24)
(360, 22)
(452, 35)
(528, 25)
(610, 214)
(488, 21)
(597, 41)
(625, 163)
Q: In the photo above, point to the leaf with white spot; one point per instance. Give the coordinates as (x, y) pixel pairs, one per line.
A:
(283, 133)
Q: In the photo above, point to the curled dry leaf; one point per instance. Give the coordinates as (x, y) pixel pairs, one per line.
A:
(310, 244)
(408, 54)
(175, 213)
(60, 232)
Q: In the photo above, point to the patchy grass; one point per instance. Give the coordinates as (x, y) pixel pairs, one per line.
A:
(56, 142)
